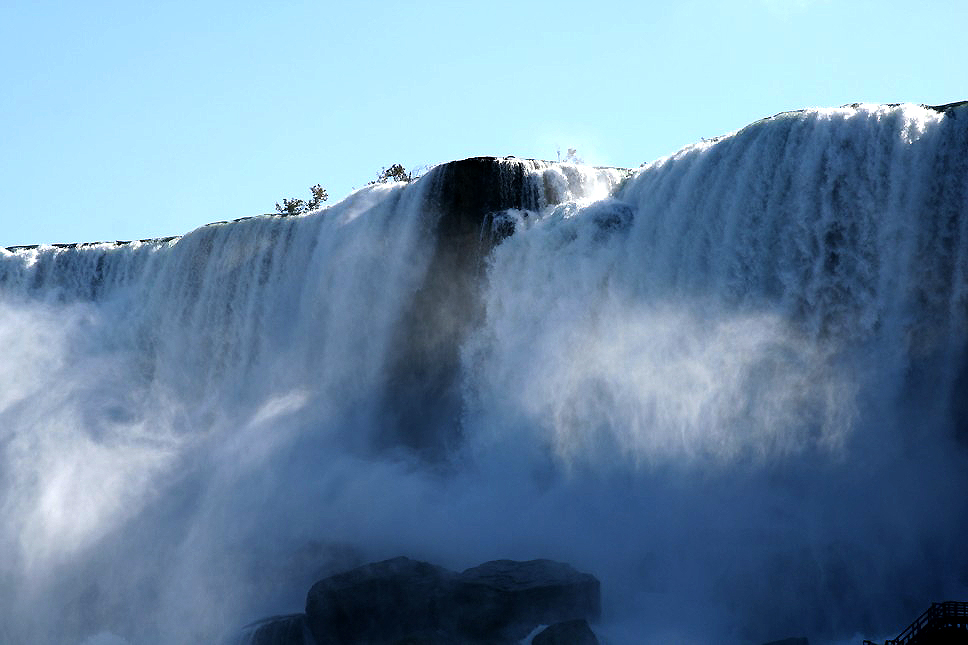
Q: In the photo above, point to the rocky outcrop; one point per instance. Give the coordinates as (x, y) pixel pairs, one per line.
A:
(424, 400)
(570, 632)
(384, 602)
(400, 601)
(278, 630)
(510, 598)
(465, 201)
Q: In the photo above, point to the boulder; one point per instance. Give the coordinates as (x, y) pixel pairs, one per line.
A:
(509, 598)
(570, 632)
(406, 601)
(384, 602)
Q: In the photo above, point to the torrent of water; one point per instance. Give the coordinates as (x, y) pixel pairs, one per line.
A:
(732, 385)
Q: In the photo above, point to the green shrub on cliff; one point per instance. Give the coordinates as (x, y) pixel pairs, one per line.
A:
(296, 206)
(396, 172)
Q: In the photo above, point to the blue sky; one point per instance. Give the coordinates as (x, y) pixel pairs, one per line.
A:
(126, 120)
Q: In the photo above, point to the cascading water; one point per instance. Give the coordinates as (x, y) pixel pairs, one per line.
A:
(730, 385)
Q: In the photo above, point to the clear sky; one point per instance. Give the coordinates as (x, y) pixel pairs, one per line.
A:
(128, 119)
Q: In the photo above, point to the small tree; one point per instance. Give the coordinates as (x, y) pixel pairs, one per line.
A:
(319, 196)
(396, 172)
(297, 206)
(290, 207)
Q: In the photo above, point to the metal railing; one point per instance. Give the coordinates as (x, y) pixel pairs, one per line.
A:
(939, 615)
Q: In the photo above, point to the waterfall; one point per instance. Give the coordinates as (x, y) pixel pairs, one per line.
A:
(731, 383)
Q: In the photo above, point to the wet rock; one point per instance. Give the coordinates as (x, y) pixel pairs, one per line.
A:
(278, 630)
(424, 400)
(508, 598)
(384, 602)
(406, 601)
(570, 632)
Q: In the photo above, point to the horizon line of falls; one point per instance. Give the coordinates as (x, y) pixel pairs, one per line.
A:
(732, 385)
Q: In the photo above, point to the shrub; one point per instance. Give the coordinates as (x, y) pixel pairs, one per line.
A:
(296, 206)
(396, 172)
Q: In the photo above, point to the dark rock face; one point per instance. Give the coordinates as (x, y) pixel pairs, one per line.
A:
(406, 601)
(947, 106)
(511, 598)
(424, 407)
(570, 632)
(467, 202)
(380, 603)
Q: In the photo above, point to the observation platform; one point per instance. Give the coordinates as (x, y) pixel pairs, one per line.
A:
(943, 623)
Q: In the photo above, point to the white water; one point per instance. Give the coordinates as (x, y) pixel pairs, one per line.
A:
(729, 388)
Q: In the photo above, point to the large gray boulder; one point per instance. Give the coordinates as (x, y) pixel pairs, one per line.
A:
(406, 601)
(507, 598)
(384, 602)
